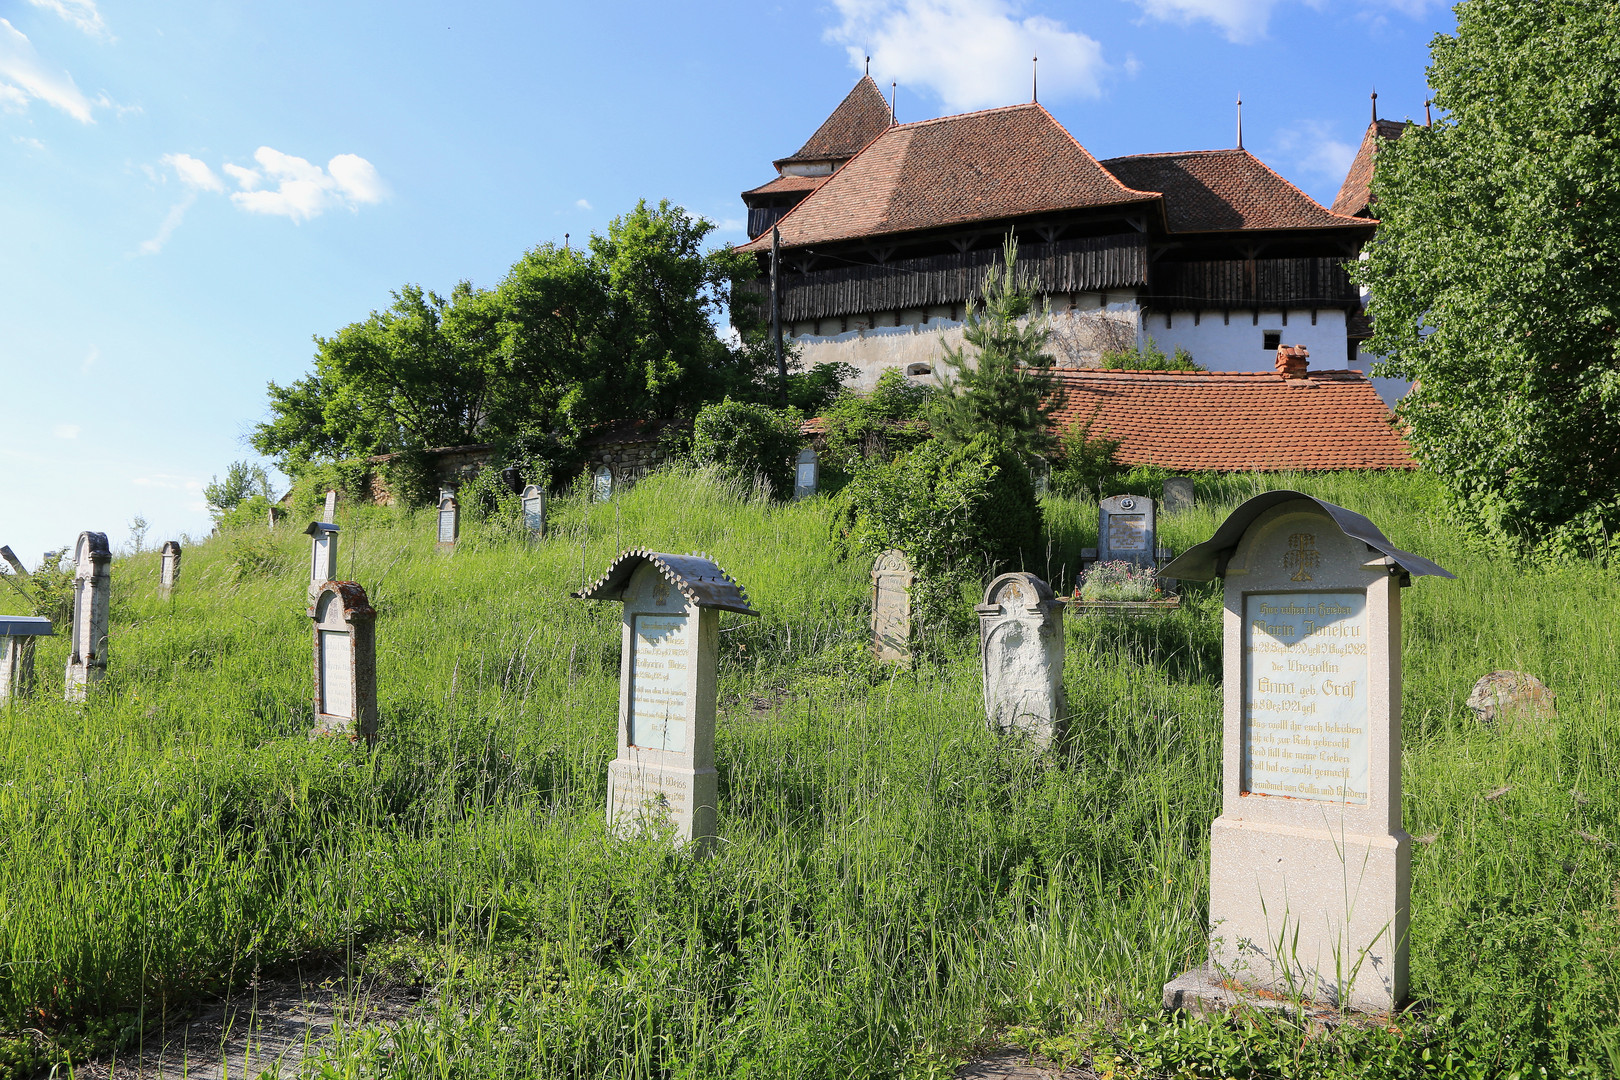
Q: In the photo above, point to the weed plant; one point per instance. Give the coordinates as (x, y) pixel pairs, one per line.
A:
(893, 887)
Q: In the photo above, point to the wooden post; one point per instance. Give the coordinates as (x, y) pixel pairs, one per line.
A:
(776, 312)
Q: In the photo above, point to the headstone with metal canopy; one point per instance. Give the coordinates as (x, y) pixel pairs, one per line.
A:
(534, 511)
(92, 587)
(345, 661)
(169, 568)
(664, 773)
(323, 555)
(17, 634)
(1310, 868)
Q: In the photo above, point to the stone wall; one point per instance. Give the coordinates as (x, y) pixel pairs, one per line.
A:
(630, 461)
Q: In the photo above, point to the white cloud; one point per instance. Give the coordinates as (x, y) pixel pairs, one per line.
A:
(1245, 21)
(23, 75)
(24, 140)
(1310, 147)
(66, 431)
(304, 190)
(193, 173)
(583, 204)
(972, 53)
(81, 13)
(171, 222)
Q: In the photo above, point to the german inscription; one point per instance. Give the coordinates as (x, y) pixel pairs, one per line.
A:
(658, 701)
(1305, 711)
(335, 697)
(1127, 532)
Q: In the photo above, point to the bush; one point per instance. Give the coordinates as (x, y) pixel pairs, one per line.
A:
(253, 555)
(251, 513)
(887, 421)
(1085, 462)
(350, 478)
(1149, 357)
(749, 442)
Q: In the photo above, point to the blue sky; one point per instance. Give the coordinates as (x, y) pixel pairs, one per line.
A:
(190, 191)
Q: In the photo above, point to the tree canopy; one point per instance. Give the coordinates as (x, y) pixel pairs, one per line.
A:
(571, 338)
(1495, 275)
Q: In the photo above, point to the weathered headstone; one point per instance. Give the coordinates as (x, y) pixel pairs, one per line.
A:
(169, 572)
(891, 606)
(1021, 647)
(806, 474)
(323, 555)
(534, 511)
(664, 772)
(17, 634)
(345, 661)
(1310, 869)
(329, 511)
(449, 521)
(1506, 696)
(602, 484)
(92, 586)
(1126, 530)
(1179, 495)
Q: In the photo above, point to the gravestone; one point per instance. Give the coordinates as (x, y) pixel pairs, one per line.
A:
(602, 485)
(323, 555)
(92, 587)
(1310, 869)
(891, 606)
(806, 474)
(1126, 530)
(1021, 648)
(169, 574)
(1506, 696)
(17, 634)
(534, 511)
(449, 521)
(329, 512)
(1178, 495)
(663, 775)
(345, 661)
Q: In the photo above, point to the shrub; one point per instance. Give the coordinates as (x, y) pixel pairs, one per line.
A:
(251, 513)
(350, 478)
(887, 421)
(253, 555)
(1085, 462)
(1149, 357)
(749, 442)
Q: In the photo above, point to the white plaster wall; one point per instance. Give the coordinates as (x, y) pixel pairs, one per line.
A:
(1239, 345)
(1391, 390)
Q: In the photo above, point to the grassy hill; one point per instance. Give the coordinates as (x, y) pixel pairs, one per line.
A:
(893, 885)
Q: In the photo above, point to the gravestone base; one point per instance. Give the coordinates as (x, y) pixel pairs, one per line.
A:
(642, 794)
(1344, 939)
(332, 727)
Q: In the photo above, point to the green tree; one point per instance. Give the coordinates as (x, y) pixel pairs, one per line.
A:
(749, 441)
(1004, 388)
(890, 419)
(1495, 276)
(242, 482)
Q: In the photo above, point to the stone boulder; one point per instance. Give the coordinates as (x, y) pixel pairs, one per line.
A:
(1511, 695)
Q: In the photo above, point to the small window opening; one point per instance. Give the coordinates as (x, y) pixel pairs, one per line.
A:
(920, 369)
(1273, 340)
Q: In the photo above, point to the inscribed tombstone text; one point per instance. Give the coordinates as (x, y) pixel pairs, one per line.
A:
(659, 703)
(1305, 696)
(1127, 532)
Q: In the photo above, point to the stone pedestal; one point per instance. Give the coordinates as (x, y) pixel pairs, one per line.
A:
(17, 634)
(1021, 648)
(92, 588)
(345, 662)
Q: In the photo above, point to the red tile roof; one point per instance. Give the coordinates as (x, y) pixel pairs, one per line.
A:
(1223, 422)
(861, 117)
(1222, 190)
(980, 166)
(1354, 197)
(785, 185)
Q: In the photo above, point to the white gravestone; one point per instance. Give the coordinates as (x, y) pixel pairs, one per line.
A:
(534, 511)
(345, 661)
(1310, 869)
(1021, 648)
(806, 474)
(169, 572)
(329, 511)
(17, 634)
(1179, 495)
(1126, 530)
(602, 484)
(449, 522)
(92, 587)
(663, 775)
(891, 606)
(323, 555)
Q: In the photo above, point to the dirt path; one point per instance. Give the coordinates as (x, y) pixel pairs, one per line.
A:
(1014, 1064)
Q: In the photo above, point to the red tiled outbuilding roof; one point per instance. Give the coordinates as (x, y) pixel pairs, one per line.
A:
(980, 166)
(1221, 422)
(859, 118)
(787, 185)
(1223, 190)
(1355, 193)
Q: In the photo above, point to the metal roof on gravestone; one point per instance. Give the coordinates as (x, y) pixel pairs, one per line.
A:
(25, 626)
(698, 577)
(1208, 560)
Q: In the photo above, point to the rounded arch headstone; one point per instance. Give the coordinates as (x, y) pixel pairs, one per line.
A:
(806, 474)
(602, 484)
(533, 502)
(892, 579)
(1021, 650)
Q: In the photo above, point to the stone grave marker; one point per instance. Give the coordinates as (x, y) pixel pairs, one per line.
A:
(169, 572)
(1507, 696)
(1021, 647)
(1126, 530)
(449, 521)
(345, 661)
(891, 606)
(1179, 496)
(329, 512)
(664, 774)
(17, 634)
(807, 474)
(534, 511)
(92, 587)
(602, 484)
(1310, 868)
(323, 555)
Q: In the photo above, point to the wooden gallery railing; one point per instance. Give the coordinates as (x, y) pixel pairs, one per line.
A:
(1244, 284)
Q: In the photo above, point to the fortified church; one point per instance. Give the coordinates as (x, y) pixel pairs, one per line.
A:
(886, 231)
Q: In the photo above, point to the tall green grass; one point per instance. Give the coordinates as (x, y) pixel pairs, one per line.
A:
(893, 884)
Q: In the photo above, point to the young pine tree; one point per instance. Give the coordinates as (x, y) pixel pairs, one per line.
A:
(1004, 389)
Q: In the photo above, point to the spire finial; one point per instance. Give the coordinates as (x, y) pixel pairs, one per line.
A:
(1240, 121)
(1428, 117)
(892, 92)
(1375, 104)
(565, 241)
(869, 65)
(1035, 79)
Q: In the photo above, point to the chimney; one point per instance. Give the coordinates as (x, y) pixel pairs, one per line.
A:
(1293, 361)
